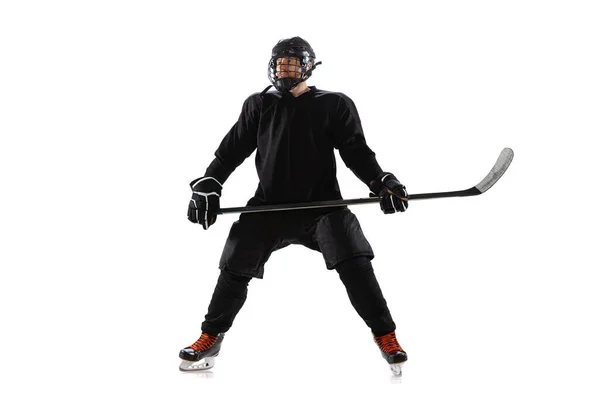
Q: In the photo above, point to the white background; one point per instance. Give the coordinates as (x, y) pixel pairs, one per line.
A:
(108, 110)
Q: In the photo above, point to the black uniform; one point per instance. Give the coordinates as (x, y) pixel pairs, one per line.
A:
(294, 139)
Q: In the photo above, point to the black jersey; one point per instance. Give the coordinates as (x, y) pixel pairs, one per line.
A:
(294, 139)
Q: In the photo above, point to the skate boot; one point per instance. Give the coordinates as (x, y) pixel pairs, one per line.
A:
(391, 351)
(201, 355)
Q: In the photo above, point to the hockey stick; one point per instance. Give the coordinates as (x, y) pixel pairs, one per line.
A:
(491, 178)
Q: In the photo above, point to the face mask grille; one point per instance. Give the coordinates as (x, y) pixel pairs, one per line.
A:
(288, 69)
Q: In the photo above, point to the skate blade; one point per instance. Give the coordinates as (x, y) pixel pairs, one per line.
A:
(397, 368)
(202, 365)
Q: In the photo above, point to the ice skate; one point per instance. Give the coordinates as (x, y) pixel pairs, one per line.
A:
(391, 352)
(201, 355)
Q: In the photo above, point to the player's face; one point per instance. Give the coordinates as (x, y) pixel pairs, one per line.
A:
(288, 67)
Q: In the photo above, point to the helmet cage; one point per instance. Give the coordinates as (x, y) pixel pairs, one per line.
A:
(287, 83)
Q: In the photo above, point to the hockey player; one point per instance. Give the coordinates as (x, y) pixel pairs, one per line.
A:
(294, 130)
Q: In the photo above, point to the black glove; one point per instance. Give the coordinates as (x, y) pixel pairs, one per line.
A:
(204, 205)
(392, 191)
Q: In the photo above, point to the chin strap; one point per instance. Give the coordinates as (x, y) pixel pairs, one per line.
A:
(265, 91)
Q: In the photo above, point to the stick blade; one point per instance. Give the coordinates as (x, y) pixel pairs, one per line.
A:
(502, 164)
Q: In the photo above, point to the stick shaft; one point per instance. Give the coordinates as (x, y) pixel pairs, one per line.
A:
(344, 202)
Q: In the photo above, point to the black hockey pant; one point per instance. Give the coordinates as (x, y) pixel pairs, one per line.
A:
(356, 274)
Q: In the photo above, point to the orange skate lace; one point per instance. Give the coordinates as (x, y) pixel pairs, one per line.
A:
(388, 343)
(204, 342)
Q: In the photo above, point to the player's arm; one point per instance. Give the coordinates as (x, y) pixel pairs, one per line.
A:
(235, 147)
(349, 139)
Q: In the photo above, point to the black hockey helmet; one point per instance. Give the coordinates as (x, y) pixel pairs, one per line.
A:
(294, 47)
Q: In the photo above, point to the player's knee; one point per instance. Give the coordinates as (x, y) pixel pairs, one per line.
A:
(233, 280)
(354, 266)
